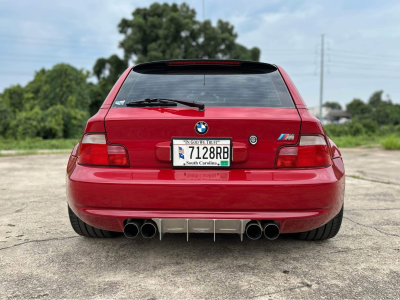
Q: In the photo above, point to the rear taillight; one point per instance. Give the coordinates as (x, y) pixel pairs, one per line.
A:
(311, 152)
(95, 151)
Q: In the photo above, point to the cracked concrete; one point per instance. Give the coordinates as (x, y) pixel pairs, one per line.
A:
(373, 164)
(41, 257)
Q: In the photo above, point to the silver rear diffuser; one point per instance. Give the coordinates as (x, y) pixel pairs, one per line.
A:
(201, 226)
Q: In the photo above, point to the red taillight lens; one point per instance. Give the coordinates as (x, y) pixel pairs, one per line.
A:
(117, 156)
(94, 150)
(312, 152)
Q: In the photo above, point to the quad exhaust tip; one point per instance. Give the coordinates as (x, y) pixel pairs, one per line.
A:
(253, 230)
(132, 229)
(148, 229)
(271, 230)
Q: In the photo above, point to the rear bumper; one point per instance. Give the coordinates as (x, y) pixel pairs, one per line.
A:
(300, 200)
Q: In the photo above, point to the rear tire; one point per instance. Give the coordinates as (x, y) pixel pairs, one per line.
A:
(84, 229)
(327, 231)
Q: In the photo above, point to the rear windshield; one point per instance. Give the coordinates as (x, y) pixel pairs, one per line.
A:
(214, 90)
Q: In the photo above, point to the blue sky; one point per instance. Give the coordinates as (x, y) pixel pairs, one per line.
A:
(362, 39)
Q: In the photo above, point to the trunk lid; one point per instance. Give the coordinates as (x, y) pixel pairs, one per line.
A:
(147, 132)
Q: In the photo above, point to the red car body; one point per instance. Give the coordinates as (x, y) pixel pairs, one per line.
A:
(299, 199)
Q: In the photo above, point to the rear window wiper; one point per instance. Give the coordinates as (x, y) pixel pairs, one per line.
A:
(165, 102)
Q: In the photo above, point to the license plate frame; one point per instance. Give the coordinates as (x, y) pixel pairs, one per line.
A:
(226, 142)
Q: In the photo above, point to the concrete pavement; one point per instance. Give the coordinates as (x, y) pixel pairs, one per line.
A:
(41, 256)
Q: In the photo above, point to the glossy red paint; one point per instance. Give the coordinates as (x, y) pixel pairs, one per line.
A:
(75, 151)
(334, 149)
(309, 123)
(306, 198)
(142, 130)
(96, 123)
(299, 199)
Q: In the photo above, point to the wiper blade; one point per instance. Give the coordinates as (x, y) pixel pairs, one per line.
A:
(144, 103)
(165, 102)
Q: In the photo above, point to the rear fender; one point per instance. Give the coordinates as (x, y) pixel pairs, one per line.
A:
(96, 123)
(309, 123)
(334, 149)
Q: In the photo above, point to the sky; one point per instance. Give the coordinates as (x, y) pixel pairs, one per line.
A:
(362, 39)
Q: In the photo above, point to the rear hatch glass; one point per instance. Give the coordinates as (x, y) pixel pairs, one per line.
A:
(215, 86)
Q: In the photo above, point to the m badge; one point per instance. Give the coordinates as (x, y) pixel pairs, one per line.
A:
(286, 137)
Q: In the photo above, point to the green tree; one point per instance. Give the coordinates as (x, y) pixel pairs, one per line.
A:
(55, 104)
(357, 107)
(376, 99)
(27, 124)
(13, 97)
(64, 85)
(6, 116)
(386, 114)
(107, 72)
(333, 105)
(370, 126)
(165, 31)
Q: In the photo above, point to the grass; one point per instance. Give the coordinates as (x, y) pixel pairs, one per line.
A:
(389, 142)
(35, 152)
(355, 141)
(36, 144)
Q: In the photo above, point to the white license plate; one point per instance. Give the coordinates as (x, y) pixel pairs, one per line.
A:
(201, 153)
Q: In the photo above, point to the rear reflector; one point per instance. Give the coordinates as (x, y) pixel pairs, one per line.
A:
(312, 152)
(95, 151)
(203, 62)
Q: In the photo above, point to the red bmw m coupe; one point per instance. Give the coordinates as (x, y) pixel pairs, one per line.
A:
(205, 146)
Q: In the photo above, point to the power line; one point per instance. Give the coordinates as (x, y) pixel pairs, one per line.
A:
(363, 54)
(51, 41)
(13, 73)
(8, 54)
(371, 68)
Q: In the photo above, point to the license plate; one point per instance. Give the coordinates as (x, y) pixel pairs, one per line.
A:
(201, 153)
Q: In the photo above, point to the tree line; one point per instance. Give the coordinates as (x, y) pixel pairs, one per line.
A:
(376, 116)
(58, 101)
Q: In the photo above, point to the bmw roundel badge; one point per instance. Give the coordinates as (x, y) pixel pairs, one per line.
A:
(201, 127)
(253, 139)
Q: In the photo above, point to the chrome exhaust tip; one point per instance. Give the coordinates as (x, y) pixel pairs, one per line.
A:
(132, 229)
(148, 229)
(253, 230)
(271, 230)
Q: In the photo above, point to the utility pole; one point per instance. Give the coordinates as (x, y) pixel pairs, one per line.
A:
(321, 86)
(204, 31)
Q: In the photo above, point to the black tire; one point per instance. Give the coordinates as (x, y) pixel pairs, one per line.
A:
(84, 229)
(327, 231)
